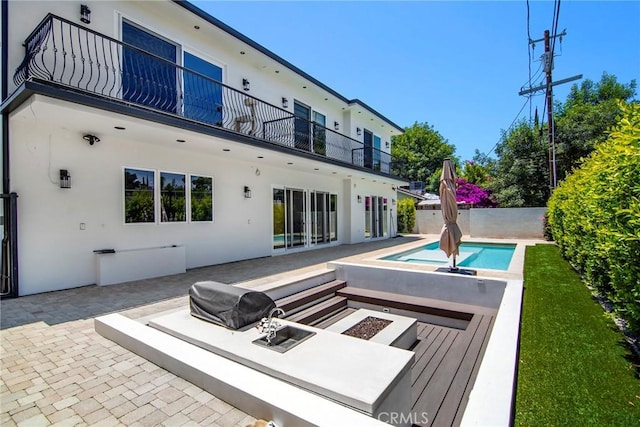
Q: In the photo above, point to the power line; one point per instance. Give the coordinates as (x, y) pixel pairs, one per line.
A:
(510, 126)
(556, 14)
(530, 53)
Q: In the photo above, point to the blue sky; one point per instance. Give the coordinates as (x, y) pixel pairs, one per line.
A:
(456, 65)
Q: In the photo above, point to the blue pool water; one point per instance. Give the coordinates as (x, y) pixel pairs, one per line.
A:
(493, 256)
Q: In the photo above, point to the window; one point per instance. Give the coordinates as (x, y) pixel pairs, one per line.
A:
(202, 97)
(201, 198)
(376, 153)
(139, 196)
(173, 202)
(174, 191)
(368, 149)
(302, 115)
(319, 133)
(146, 79)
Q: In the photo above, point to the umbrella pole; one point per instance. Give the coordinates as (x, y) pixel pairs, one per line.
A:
(454, 268)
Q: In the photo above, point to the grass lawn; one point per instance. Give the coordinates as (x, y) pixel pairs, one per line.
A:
(575, 368)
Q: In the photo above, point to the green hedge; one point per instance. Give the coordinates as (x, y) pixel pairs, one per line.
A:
(595, 217)
(406, 215)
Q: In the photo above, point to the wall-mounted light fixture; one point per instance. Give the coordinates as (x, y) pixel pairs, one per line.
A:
(359, 131)
(246, 85)
(65, 179)
(85, 14)
(393, 202)
(359, 198)
(336, 125)
(91, 139)
(386, 143)
(285, 102)
(247, 192)
(393, 188)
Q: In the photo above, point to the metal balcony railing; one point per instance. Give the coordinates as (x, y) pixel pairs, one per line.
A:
(67, 54)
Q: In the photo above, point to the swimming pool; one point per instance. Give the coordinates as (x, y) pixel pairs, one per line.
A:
(493, 256)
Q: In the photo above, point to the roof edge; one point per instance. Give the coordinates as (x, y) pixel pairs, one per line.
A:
(235, 33)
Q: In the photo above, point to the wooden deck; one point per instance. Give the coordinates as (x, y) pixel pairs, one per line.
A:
(446, 364)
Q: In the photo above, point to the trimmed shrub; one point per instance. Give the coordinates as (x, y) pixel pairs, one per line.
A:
(406, 215)
(594, 217)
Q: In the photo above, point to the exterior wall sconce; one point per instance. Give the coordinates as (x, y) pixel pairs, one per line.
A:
(393, 202)
(246, 85)
(336, 125)
(359, 198)
(285, 102)
(247, 192)
(85, 14)
(65, 179)
(386, 143)
(393, 188)
(91, 139)
(359, 131)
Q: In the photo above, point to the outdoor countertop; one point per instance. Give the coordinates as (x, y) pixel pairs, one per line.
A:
(354, 372)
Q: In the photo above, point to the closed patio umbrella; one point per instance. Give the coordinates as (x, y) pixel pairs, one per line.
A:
(450, 235)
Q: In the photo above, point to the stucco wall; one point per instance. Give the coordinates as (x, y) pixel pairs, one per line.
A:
(517, 223)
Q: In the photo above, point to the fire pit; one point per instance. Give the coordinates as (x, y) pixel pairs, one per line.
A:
(380, 327)
(367, 327)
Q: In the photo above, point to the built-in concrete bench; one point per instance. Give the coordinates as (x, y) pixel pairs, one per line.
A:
(319, 311)
(422, 305)
(300, 299)
(125, 265)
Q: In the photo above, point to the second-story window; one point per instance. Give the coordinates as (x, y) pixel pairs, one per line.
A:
(149, 76)
(302, 115)
(319, 133)
(202, 95)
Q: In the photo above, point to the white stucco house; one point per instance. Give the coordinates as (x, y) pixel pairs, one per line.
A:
(145, 138)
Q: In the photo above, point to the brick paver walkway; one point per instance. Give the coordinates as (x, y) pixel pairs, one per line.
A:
(56, 370)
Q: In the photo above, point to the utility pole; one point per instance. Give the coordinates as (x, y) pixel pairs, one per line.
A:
(548, 67)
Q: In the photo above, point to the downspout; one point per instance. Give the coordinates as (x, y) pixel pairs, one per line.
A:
(9, 278)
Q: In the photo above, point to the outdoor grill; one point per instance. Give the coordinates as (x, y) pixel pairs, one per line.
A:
(228, 306)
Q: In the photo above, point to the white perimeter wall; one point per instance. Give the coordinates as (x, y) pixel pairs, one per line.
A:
(517, 223)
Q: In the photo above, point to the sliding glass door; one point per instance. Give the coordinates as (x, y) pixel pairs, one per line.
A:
(289, 218)
(303, 218)
(375, 217)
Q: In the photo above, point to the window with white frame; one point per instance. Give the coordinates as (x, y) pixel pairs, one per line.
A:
(201, 198)
(139, 196)
(179, 197)
(173, 197)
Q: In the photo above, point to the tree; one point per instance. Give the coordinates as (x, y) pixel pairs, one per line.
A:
(419, 152)
(585, 118)
(522, 178)
(477, 174)
(406, 215)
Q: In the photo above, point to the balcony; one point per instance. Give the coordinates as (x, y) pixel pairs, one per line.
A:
(66, 54)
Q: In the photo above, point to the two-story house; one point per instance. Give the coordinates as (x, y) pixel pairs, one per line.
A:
(145, 138)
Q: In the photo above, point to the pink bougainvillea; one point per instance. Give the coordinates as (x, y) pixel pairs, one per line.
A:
(471, 193)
